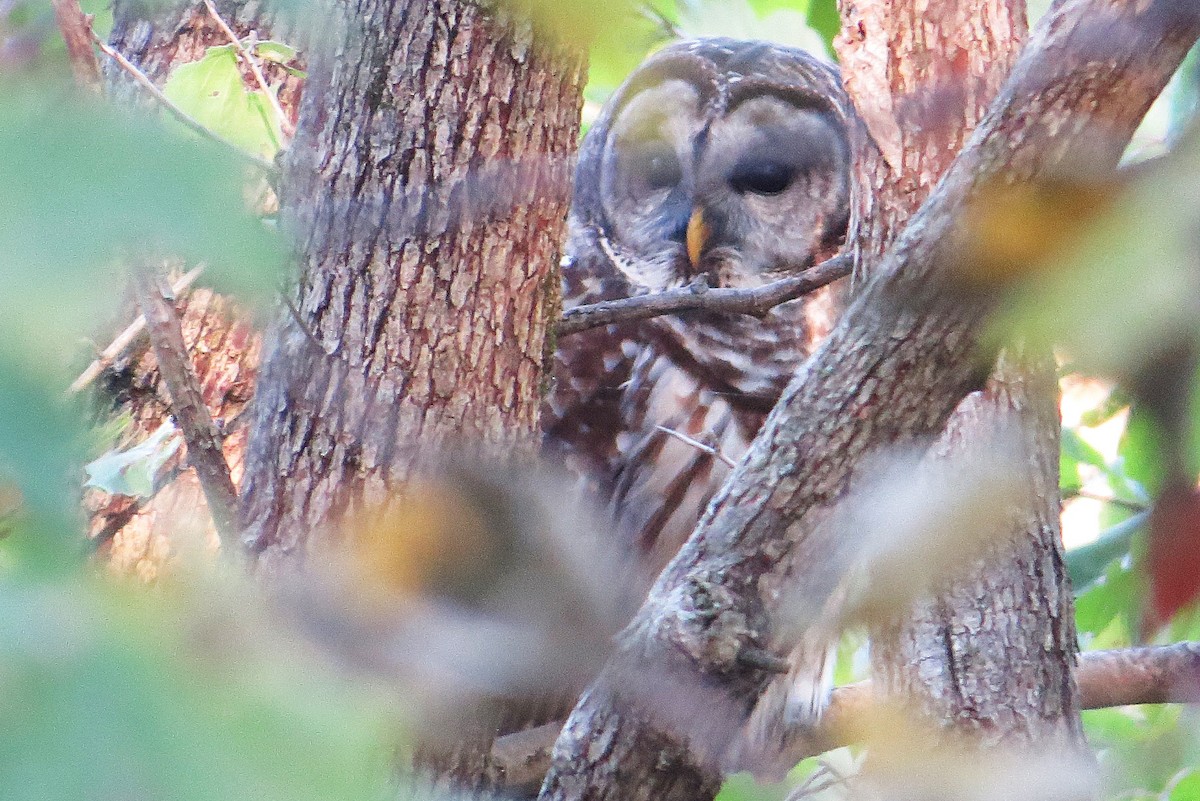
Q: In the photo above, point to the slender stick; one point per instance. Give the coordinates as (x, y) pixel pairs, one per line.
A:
(756, 301)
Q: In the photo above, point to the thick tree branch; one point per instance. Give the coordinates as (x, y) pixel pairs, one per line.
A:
(204, 451)
(756, 301)
(674, 696)
(1168, 674)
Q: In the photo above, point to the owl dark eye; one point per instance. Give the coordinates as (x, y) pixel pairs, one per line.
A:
(761, 177)
(657, 166)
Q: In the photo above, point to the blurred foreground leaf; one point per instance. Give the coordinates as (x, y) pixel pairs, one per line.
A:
(80, 187)
(192, 693)
(1131, 283)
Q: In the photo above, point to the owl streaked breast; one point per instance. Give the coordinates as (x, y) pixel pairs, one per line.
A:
(717, 160)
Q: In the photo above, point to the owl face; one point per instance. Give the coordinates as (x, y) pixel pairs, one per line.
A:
(714, 160)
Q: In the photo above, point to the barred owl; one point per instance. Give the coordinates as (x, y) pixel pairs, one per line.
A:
(720, 160)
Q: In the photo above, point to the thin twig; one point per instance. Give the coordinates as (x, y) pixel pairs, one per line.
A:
(1132, 506)
(187, 403)
(76, 27)
(188, 120)
(285, 124)
(126, 338)
(756, 301)
(700, 446)
(660, 19)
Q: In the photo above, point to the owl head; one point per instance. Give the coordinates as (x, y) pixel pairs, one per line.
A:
(718, 158)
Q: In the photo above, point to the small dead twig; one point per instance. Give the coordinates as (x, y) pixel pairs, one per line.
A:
(187, 402)
(756, 301)
(76, 32)
(285, 124)
(661, 20)
(188, 120)
(126, 338)
(698, 445)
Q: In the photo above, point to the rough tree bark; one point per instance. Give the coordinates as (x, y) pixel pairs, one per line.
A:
(901, 359)
(426, 188)
(992, 654)
(426, 194)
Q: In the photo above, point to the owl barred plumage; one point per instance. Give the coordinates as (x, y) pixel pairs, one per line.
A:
(719, 159)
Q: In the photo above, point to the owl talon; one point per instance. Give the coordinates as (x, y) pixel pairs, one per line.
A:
(763, 660)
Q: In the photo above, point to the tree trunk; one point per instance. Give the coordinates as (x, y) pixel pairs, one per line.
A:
(992, 655)
(426, 195)
(909, 349)
(426, 191)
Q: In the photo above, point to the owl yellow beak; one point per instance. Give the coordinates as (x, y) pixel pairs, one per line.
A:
(697, 237)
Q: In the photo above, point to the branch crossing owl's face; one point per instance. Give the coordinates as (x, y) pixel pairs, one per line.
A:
(722, 160)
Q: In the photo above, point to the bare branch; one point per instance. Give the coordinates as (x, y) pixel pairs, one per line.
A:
(1168, 674)
(76, 32)
(1159, 675)
(126, 338)
(188, 120)
(698, 297)
(187, 403)
(285, 124)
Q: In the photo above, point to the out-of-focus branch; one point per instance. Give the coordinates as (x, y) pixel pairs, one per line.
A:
(756, 301)
(187, 402)
(1159, 675)
(76, 31)
(126, 338)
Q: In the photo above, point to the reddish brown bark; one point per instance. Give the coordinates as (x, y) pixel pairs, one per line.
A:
(992, 654)
(427, 189)
(426, 193)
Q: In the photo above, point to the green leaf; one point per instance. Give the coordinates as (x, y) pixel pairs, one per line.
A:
(134, 472)
(213, 92)
(1112, 601)
(274, 51)
(194, 693)
(1088, 563)
(1186, 788)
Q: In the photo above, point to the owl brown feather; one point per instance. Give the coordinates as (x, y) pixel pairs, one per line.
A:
(755, 140)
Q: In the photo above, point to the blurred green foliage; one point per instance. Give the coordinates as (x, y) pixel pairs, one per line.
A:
(198, 690)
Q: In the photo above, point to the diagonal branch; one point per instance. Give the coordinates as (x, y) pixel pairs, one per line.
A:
(756, 301)
(204, 450)
(675, 695)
